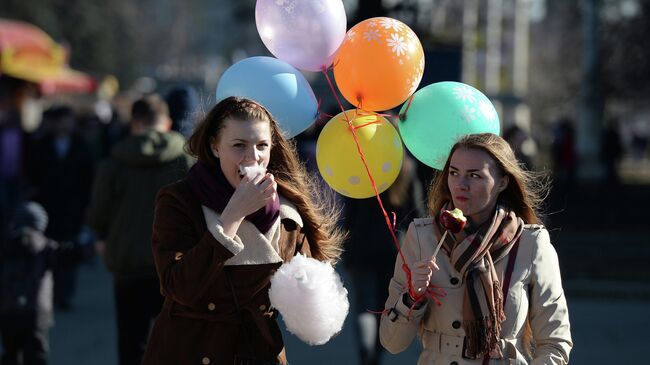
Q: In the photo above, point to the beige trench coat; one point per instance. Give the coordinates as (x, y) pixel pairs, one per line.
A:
(535, 292)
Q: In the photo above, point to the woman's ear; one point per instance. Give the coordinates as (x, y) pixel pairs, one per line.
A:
(503, 183)
(213, 147)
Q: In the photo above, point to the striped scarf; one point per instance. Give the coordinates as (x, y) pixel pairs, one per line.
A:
(474, 259)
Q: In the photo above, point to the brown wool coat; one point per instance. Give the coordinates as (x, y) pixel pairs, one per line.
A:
(199, 323)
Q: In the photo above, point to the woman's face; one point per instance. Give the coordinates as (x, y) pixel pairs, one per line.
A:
(475, 183)
(242, 143)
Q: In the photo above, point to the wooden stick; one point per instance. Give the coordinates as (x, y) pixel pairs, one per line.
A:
(442, 239)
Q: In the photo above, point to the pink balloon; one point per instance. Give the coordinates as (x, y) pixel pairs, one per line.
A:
(303, 33)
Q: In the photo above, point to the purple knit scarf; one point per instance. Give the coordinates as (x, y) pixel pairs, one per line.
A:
(214, 191)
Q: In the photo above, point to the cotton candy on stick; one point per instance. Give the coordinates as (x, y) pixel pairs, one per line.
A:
(311, 298)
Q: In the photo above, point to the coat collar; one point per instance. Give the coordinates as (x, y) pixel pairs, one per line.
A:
(258, 248)
(289, 211)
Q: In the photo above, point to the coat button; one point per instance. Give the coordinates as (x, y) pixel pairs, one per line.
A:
(262, 308)
(206, 361)
(178, 256)
(454, 281)
(211, 306)
(456, 324)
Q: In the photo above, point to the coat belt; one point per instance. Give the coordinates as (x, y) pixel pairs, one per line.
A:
(453, 344)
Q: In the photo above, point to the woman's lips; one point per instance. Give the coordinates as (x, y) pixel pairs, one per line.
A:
(462, 198)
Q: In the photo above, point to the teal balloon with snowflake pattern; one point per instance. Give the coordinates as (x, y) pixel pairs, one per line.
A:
(439, 114)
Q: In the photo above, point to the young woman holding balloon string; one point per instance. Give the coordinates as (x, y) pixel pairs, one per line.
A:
(500, 274)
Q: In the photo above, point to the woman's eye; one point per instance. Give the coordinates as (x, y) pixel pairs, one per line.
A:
(239, 145)
(453, 173)
(263, 146)
(476, 176)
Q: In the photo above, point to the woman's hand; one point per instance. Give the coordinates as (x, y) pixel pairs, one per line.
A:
(250, 195)
(421, 273)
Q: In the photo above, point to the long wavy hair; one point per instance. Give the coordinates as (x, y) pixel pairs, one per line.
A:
(318, 211)
(525, 192)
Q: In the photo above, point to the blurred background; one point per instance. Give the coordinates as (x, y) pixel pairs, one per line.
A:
(570, 80)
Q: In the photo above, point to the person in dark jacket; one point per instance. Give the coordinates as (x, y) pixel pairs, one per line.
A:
(61, 172)
(26, 314)
(121, 214)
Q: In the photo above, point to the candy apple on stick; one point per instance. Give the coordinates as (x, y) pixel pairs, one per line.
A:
(453, 221)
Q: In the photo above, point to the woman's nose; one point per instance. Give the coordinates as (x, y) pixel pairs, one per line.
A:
(463, 184)
(252, 154)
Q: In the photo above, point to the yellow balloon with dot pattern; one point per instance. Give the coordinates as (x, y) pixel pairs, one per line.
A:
(339, 161)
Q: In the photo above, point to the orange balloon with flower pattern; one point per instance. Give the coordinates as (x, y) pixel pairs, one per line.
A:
(379, 65)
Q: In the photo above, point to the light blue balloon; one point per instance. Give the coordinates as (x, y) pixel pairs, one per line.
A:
(277, 85)
(439, 115)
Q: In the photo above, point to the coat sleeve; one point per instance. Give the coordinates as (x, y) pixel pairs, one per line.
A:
(549, 315)
(186, 264)
(399, 323)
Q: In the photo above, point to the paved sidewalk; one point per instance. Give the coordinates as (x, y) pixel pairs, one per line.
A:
(605, 331)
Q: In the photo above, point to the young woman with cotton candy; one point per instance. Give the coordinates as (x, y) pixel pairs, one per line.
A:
(243, 210)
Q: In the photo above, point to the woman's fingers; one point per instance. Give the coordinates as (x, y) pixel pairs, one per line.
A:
(253, 193)
(421, 274)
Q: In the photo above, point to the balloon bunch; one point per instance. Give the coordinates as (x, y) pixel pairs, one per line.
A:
(302, 34)
(377, 65)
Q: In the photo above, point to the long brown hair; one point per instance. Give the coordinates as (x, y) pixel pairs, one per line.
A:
(525, 191)
(318, 211)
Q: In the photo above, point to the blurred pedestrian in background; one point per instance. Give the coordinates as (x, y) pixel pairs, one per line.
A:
(500, 274)
(522, 145)
(61, 170)
(370, 250)
(611, 151)
(183, 102)
(121, 214)
(26, 261)
(19, 107)
(564, 153)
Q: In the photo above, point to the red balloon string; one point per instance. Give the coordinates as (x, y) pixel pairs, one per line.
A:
(387, 115)
(407, 270)
(329, 82)
(377, 312)
(367, 124)
(365, 164)
(318, 110)
(402, 116)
